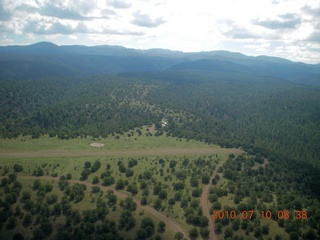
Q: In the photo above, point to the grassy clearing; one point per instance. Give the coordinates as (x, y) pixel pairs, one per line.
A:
(117, 142)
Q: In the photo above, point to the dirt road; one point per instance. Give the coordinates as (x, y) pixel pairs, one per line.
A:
(206, 210)
(124, 152)
(206, 205)
(170, 223)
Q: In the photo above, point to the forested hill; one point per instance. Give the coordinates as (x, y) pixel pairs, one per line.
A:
(46, 59)
(265, 105)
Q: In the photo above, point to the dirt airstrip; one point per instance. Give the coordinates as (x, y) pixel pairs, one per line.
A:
(137, 152)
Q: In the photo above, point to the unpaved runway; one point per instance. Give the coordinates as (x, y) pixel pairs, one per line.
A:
(137, 152)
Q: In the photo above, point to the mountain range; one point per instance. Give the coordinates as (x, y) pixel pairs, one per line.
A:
(47, 59)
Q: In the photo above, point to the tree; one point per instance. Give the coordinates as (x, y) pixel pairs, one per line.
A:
(156, 189)
(13, 177)
(310, 234)
(163, 194)
(85, 174)
(87, 164)
(265, 229)
(131, 223)
(12, 222)
(228, 233)
(194, 182)
(149, 231)
(56, 209)
(178, 186)
(205, 179)
(193, 233)
(172, 201)
(4, 181)
(129, 204)
(178, 236)
(95, 180)
(112, 200)
(144, 201)
(95, 189)
(203, 221)
(218, 228)
(147, 221)
(39, 172)
(196, 192)
(236, 224)
(46, 226)
(51, 199)
(141, 234)
(107, 181)
(18, 236)
(161, 226)
(11, 198)
(204, 232)
(177, 196)
(38, 234)
(293, 236)
(120, 184)
(257, 231)
(157, 204)
(17, 168)
(129, 173)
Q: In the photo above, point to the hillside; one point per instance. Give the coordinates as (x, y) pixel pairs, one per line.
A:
(23, 62)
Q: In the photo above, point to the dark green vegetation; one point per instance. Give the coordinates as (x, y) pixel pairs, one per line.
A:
(255, 183)
(269, 107)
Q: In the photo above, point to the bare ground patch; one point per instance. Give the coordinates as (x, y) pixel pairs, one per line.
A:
(97, 145)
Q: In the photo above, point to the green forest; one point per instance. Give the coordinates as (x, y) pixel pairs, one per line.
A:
(276, 123)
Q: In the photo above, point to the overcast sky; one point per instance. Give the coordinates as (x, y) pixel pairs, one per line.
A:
(283, 28)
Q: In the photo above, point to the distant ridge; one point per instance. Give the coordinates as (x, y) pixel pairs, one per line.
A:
(47, 59)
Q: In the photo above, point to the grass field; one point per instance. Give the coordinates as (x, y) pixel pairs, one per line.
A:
(134, 142)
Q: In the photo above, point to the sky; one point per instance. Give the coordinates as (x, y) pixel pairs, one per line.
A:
(282, 28)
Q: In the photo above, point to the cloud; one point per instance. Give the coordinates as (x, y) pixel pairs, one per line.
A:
(51, 28)
(144, 20)
(61, 13)
(311, 11)
(119, 4)
(288, 21)
(25, 8)
(314, 37)
(234, 31)
(4, 15)
(240, 33)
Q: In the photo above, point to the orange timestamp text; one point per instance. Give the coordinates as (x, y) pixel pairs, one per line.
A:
(267, 214)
